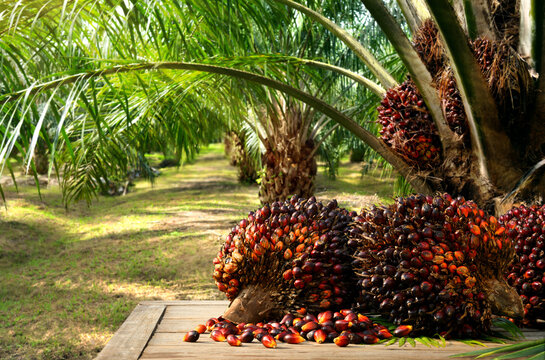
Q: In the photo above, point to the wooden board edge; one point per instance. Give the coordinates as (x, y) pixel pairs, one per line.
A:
(130, 340)
(184, 302)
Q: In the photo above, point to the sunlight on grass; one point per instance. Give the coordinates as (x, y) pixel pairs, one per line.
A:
(70, 278)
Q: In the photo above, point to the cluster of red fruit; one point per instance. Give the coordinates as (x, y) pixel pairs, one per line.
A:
(429, 261)
(526, 228)
(342, 328)
(295, 251)
(407, 126)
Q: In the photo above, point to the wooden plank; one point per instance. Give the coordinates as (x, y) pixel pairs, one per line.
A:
(131, 338)
(166, 342)
(192, 303)
(170, 346)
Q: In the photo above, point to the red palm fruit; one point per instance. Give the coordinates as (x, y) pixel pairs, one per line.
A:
(293, 339)
(370, 339)
(363, 318)
(268, 341)
(384, 334)
(325, 316)
(191, 336)
(287, 319)
(233, 340)
(403, 330)
(311, 325)
(351, 317)
(210, 323)
(411, 292)
(526, 229)
(320, 336)
(250, 268)
(407, 126)
(247, 337)
(281, 335)
(342, 325)
(341, 340)
(217, 335)
(201, 329)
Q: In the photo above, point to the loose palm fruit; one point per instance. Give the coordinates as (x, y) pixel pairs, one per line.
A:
(233, 340)
(403, 330)
(370, 339)
(355, 338)
(217, 335)
(191, 336)
(341, 340)
(320, 336)
(526, 228)
(247, 337)
(384, 334)
(210, 323)
(293, 339)
(291, 256)
(460, 287)
(201, 329)
(268, 341)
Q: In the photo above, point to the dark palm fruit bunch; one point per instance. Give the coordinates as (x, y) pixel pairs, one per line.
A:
(429, 48)
(452, 102)
(507, 77)
(288, 256)
(526, 227)
(435, 263)
(407, 126)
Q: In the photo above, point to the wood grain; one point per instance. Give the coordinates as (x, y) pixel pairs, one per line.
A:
(132, 337)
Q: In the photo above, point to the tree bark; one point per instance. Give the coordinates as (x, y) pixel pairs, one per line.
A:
(289, 170)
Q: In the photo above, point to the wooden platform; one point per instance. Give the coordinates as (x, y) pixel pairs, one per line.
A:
(154, 330)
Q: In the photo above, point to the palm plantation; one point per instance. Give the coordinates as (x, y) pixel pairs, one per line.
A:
(95, 86)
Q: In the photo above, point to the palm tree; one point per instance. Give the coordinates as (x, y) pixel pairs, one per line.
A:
(484, 158)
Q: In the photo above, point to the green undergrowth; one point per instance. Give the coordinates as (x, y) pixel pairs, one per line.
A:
(69, 278)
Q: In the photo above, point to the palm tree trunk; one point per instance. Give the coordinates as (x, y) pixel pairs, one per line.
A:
(41, 160)
(289, 170)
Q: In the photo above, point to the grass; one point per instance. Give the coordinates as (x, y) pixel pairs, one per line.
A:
(68, 279)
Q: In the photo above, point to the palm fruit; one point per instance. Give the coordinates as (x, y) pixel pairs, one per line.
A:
(407, 126)
(508, 79)
(434, 263)
(526, 228)
(288, 256)
(429, 48)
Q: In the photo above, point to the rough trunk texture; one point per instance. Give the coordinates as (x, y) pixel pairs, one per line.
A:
(41, 161)
(239, 157)
(289, 170)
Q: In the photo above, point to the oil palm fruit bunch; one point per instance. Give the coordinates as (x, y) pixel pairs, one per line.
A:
(284, 257)
(434, 263)
(407, 126)
(507, 77)
(526, 227)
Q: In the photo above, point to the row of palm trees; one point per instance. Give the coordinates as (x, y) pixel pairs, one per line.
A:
(100, 81)
(99, 125)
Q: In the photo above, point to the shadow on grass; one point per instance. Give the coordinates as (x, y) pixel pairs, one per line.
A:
(22, 241)
(83, 322)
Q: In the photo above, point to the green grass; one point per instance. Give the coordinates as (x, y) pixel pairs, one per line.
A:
(68, 279)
